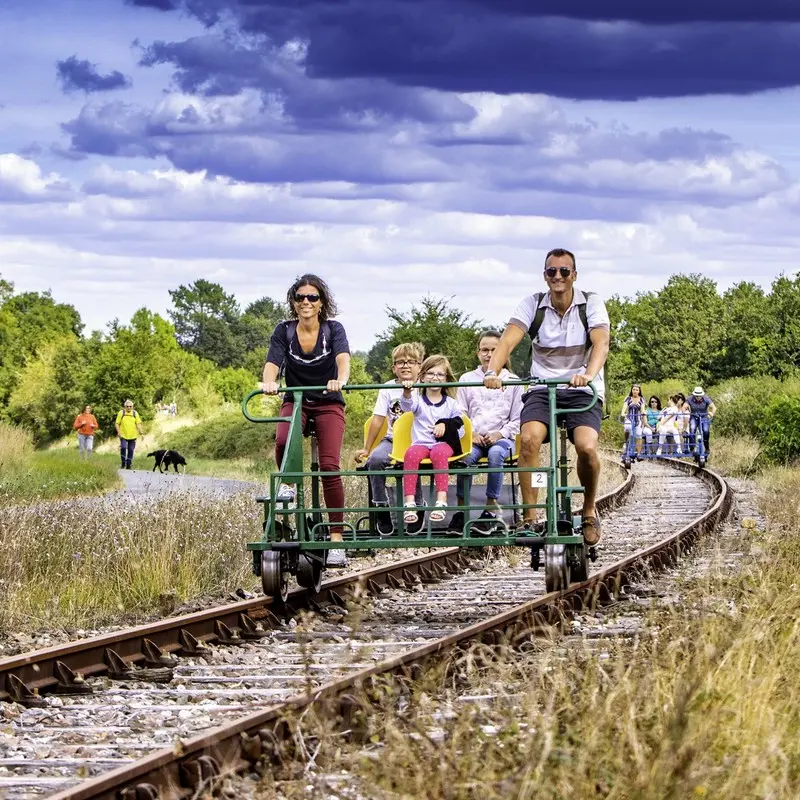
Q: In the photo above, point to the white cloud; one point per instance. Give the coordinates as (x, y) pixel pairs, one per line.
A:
(22, 181)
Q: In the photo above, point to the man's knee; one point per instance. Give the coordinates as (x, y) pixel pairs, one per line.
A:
(531, 438)
(586, 441)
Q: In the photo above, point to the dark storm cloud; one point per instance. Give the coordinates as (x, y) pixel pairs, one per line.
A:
(81, 75)
(619, 50)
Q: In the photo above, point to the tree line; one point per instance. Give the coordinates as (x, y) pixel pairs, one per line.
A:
(210, 350)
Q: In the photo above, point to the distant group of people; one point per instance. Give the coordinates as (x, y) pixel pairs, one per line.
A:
(167, 408)
(570, 334)
(127, 424)
(677, 421)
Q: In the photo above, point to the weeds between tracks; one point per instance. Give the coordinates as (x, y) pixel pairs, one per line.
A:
(703, 701)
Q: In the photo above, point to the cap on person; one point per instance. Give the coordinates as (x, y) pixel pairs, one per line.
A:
(698, 391)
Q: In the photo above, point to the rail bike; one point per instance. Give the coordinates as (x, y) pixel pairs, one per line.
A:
(296, 535)
(689, 445)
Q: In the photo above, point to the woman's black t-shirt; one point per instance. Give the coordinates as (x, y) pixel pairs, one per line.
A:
(309, 369)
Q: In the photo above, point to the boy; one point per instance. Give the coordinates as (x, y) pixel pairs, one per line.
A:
(406, 361)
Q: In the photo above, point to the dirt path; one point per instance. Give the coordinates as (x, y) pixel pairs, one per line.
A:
(139, 482)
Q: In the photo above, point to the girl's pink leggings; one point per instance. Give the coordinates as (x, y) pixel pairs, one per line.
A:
(438, 454)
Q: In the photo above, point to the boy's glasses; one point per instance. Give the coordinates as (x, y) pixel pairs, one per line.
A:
(564, 271)
(405, 363)
(312, 298)
(435, 376)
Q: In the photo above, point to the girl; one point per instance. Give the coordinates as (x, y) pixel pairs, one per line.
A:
(668, 425)
(437, 422)
(651, 422)
(632, 414)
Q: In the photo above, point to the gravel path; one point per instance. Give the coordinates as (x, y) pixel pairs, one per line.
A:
(140, 482)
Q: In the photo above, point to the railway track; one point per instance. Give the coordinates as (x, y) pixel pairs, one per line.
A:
(120, 740)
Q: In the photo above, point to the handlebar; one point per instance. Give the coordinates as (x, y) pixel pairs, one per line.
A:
(549, 382)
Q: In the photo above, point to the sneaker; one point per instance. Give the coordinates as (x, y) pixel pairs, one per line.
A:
(658, 452)
(679, 451)
(487, 523)
(384, 523)
(413, 528)
(336, 559)
(456, 523)
(286, 493)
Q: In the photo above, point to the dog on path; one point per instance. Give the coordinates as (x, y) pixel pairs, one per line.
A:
(165, 458)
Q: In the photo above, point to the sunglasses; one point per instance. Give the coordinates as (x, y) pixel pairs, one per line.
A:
(312, 298)
(551, 271)
(405, 363)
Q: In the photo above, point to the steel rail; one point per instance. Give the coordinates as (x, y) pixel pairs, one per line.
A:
(177, 773)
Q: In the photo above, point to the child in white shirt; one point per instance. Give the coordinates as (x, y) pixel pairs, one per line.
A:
(435, 434)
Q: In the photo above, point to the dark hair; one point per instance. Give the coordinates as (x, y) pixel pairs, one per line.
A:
(630, 394)
(560, 252)
(681, 396)
(328, 307)
(491, 333)
(658, 402)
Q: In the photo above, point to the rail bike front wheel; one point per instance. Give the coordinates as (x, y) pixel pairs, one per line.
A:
(274, 576)
(556, 567)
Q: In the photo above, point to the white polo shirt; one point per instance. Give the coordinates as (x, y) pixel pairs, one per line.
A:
(560, 347)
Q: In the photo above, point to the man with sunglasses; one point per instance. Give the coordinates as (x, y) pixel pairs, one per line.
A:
(570, 341)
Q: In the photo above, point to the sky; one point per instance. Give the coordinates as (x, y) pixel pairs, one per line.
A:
(397, 148)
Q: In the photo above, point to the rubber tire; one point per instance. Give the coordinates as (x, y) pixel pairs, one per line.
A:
(556, 569)
(274, 578)
(701, 462)
(626, 462)
(309, 573)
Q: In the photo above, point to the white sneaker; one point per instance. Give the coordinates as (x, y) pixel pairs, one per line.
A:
(336, 558)
(286, 493)
(658, 452)
(679, 451)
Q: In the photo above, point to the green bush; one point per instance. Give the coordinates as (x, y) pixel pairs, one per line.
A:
(226, 435)
(779, 428)
(740, 404)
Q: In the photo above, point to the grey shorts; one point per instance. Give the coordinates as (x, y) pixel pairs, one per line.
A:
(536, 409)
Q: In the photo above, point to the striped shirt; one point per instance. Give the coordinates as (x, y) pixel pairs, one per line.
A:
(560, 347)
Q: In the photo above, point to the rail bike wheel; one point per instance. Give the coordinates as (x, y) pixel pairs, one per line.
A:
(626, 462)
(309, 573)
(274, 578)
(579, 563)
(556, 567)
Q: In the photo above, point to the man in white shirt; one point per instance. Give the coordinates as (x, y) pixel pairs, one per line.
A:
(495, 425)
(571, 343)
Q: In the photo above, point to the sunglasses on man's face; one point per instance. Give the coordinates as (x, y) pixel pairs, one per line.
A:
(551, 271)
(312, 298)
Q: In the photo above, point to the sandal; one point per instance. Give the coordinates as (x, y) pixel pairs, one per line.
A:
(410, 516)
(591, 530)
(438, 514)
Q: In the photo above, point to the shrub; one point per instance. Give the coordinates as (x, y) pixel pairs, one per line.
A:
(779, 428)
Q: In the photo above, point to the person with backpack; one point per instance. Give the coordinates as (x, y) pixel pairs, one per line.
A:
(129, 428)
(569, 330)
(311, 349)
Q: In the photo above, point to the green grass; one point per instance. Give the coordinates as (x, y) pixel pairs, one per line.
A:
(56, 474)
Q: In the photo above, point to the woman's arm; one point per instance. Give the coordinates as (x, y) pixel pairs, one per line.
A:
(342, 373)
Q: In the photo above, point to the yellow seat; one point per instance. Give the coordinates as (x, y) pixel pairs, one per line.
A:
(381, 433)
(402, 439)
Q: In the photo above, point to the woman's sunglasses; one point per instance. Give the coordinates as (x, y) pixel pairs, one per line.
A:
(551, 271)
(312, 298)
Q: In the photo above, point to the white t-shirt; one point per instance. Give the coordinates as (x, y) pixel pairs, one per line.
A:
(560, 350)
(388, 405)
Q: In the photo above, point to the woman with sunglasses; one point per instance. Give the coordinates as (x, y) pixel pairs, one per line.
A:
(652, 413)
(311, 349)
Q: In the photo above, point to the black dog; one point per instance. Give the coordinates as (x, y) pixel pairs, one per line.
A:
(167, 457)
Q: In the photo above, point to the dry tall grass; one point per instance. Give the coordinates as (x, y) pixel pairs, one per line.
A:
(704, 702)
(90, 562)
(16, 445)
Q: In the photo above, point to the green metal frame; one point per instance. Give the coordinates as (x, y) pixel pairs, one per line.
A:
(302, 529)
